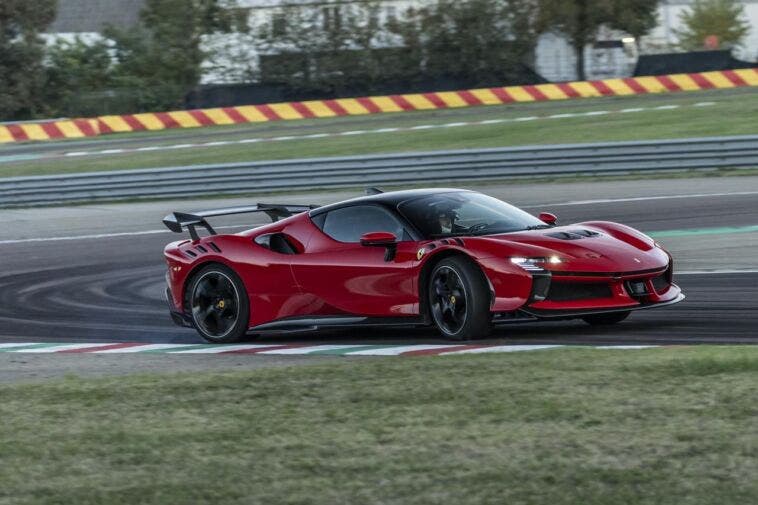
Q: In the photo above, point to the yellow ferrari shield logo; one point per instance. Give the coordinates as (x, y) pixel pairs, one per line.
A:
(420, 254)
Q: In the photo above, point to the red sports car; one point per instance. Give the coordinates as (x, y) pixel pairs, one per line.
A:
(459, 260)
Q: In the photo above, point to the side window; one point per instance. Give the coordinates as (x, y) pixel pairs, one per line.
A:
(349, 223)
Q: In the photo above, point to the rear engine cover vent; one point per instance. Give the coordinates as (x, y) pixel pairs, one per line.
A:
(573, 234)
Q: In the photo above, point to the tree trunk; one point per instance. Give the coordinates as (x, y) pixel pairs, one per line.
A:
(580, 37)
(579, 51)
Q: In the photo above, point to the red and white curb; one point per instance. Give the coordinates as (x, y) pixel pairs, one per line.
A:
(282, 349)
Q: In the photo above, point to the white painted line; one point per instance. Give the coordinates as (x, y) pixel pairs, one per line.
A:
(562, 116)
(180, 146)
(203, 349)
(704, 104)
(58, 348)
(666, 107)
(625, 347)
(394, 351)
(140, 348)
(9, 346)
(79, 153)
(83, 237)
(424, 127)
(150, 148)
(217, 143)
(504, 348)
(248, 141)
(596, 113)
(112, 151)
(309, 349)
(716, 272)
(526, 118)
(633, 109)
(641, 199)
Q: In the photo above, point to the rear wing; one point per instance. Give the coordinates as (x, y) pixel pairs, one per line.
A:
(178, 221)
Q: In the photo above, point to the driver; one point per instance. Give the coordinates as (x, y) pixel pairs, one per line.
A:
(446, 220)
(442, 217)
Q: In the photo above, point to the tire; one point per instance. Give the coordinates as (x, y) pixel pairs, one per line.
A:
(606, 319)
(459, 299)
(218, 304)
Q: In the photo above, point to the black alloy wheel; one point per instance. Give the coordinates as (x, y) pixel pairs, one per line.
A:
(459, 298)
(219, 304)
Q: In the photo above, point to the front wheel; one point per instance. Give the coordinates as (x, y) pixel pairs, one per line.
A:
(459, 299)
(606, 319)
(219, 304)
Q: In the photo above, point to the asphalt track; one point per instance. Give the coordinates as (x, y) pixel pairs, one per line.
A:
(95, 273)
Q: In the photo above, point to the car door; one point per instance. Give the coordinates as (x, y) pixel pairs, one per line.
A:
(341, 276)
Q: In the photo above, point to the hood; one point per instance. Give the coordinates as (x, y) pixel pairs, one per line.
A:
(585, 247)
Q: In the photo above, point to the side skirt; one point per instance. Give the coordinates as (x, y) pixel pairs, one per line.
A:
(297, 324)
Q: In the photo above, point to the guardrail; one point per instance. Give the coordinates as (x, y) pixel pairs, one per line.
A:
(268, 176)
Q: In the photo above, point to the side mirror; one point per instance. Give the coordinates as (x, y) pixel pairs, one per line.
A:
(381, 239)
(378, 238)
(548, 218)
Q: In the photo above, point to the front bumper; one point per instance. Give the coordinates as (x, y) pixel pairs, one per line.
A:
(569, 295)
(575, 313)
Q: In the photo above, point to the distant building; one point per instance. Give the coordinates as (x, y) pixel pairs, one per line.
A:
(86, 19)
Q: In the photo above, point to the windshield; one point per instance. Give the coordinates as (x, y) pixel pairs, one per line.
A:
(464, 213)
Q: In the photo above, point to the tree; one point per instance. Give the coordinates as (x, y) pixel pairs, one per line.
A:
(22, 75)
(162, 57)
(580, 20)
(481, 41)
(635, 17)
(722, 18)
(76, 71)
(327, 48)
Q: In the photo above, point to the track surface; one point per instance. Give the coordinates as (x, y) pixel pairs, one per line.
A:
(110, 288)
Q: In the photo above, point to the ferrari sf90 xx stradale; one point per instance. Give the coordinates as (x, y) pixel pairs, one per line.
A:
(459, 260)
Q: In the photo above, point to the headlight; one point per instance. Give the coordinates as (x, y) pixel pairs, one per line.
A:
(535, 263)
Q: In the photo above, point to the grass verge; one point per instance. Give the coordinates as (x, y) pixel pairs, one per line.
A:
(732, 114)
(582, 426)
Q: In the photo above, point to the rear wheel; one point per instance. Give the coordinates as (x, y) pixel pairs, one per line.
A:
(606, 319)
(459, 299)
(219, 304)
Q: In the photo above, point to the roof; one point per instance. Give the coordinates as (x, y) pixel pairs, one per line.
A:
(88, 16)
(392, 198)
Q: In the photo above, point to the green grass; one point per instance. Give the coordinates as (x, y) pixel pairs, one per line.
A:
(733, 114)
(558, 427)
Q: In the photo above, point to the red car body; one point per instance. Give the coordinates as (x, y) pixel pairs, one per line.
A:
(602, 267)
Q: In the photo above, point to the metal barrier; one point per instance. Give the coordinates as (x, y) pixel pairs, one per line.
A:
(268, 176)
